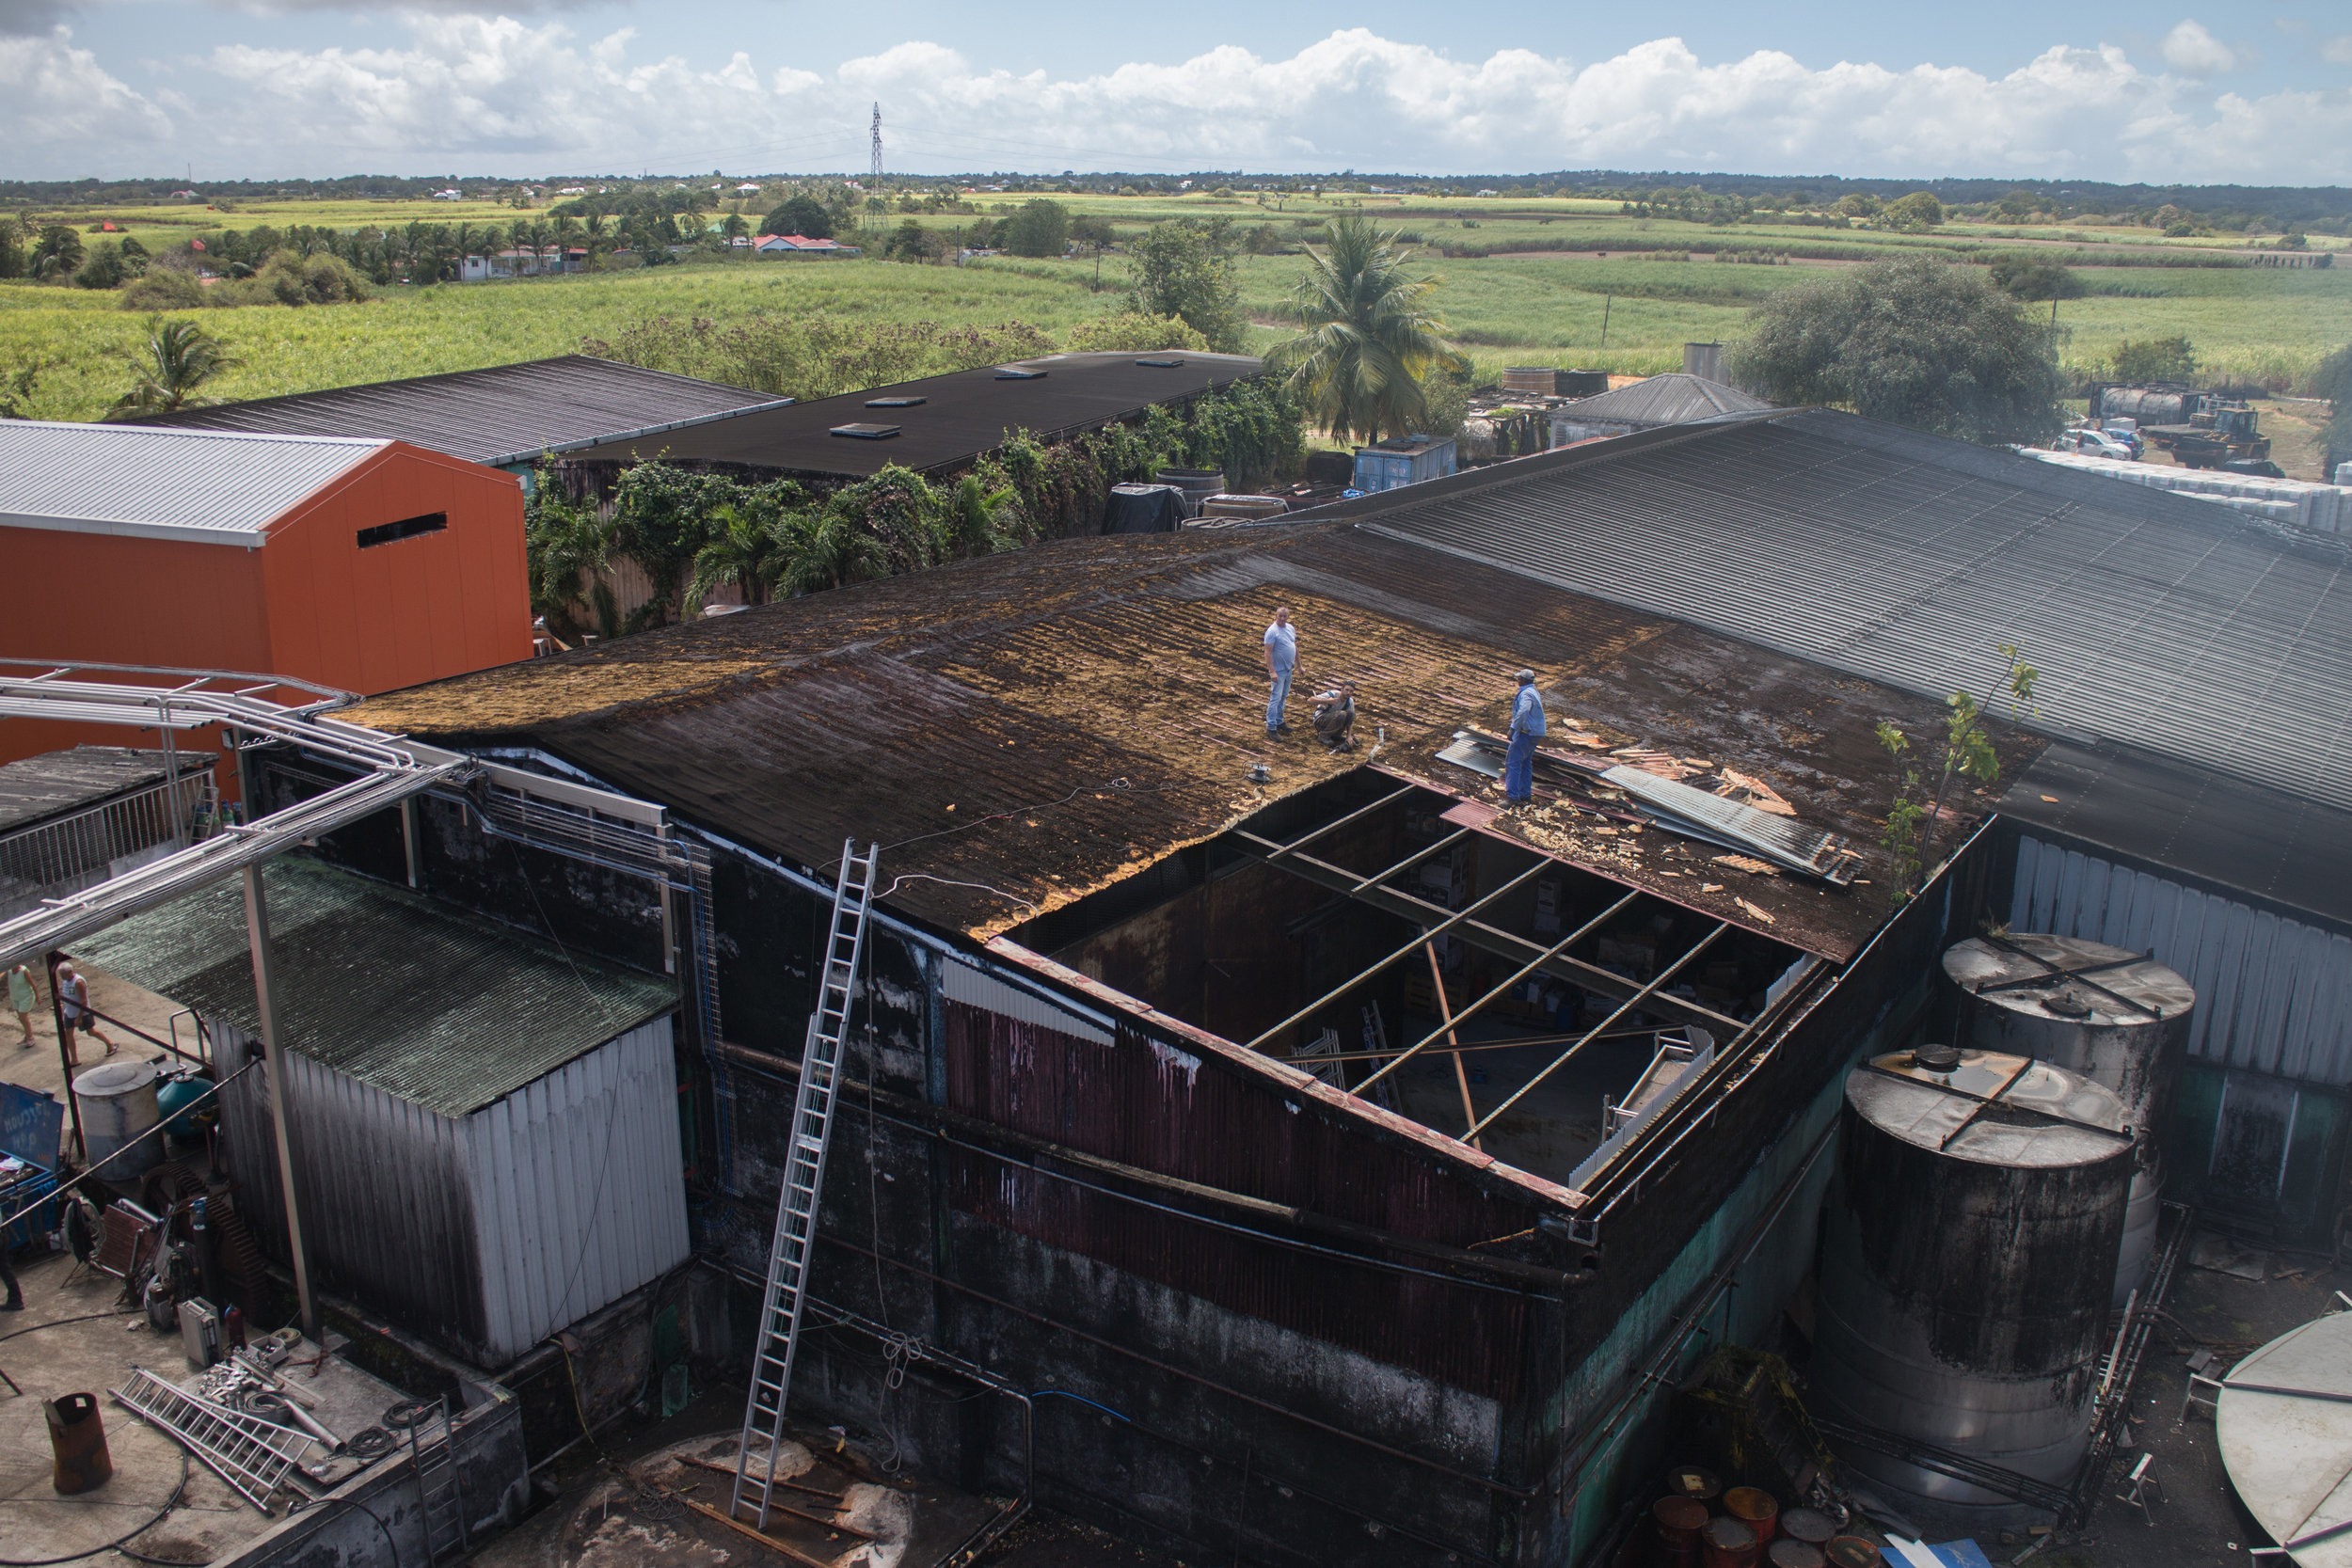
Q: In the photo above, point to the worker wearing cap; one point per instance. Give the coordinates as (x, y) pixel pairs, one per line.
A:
(1527, 726)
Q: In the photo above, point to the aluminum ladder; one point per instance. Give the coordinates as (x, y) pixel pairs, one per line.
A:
(440, 1505)
(258, 1458)
(789, 1257)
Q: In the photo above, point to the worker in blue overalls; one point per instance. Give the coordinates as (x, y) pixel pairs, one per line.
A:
(1527, 727)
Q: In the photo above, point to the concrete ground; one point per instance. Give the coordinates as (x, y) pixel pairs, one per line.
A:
(73, 1338)
(40, 1065)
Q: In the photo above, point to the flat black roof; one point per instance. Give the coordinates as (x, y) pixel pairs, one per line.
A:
(963, 416)
(503, 414)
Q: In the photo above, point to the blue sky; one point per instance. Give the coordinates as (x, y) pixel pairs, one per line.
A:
(2260, 94)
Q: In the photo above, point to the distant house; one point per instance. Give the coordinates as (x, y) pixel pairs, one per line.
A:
(448, 196)
(521, 262)
(801, 244)
(747, 189)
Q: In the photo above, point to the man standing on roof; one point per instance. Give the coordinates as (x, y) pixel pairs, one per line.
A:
(1527, 726)
(1281, 658)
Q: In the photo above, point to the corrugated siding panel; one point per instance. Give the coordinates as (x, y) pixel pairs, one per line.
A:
(488, 1233)
(579, 1195)
(2271, 991)
(1148, 1104)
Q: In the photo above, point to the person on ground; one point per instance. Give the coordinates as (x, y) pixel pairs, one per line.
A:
(23, 996)
(8, 1279)
(1335, 717)
(1527, 727)
(1281, 658)
(74, 998)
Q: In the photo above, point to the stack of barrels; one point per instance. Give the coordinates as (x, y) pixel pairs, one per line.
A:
(1700, 1524)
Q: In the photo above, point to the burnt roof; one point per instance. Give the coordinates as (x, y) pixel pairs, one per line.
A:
(502, 414)
(964, 415)
(2195, 633)
(1021, 730)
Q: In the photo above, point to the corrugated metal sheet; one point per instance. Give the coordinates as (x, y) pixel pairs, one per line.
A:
(2273, 995)
(2190, 631)
(485, 1232)
(502, 414)
(1150, 1104)
(439, 1007)
(1671, 399)
(163, 484)
(974, 988)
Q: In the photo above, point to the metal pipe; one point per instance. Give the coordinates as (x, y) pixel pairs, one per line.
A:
(65, 1053)
(409, 849)
(1624, 1007)
(273, 1048)
(1529, 968)
(1428, 935)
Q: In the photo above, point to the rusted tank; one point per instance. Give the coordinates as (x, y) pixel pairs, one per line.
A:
(1967, 1254)
(2151, 406)
(77, 1444)
(2107, 1013)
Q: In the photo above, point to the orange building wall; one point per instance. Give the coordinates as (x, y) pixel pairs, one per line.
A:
(412, 610)
(308, 603)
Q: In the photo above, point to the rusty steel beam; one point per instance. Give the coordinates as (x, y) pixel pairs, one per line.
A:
(1404, 952)
(1461, 1073)
(1503, 944)
(1643, 997)
(1524, 971)
(1349, 820)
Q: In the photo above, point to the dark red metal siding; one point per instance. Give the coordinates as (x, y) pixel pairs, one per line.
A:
(1149, 1105)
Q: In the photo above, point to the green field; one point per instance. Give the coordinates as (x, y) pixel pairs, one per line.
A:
(1544, 304)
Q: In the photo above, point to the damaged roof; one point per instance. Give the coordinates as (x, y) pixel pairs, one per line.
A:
(439, 1007)
(1021, 730)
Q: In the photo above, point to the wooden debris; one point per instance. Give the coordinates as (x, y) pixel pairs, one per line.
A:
(1710, 887)
(1755, 912)
(1748, 864)
(1749, 791)
(1660, 763)
(781, 1549)
(1699, 763)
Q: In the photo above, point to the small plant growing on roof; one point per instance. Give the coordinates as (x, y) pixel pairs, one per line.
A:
(1966, 753)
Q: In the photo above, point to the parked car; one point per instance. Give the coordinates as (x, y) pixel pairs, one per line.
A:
(2094, 443)
(2128, 433)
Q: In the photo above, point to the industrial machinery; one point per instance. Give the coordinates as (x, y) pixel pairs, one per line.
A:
(1967, 1254)
(2201, 429)
(2112, 1015)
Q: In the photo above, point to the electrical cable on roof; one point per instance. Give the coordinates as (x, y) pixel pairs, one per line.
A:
(116, 1543)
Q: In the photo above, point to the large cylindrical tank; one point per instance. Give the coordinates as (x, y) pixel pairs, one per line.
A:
(2125, 1024)
(2148, 404)
(118, 1105)
(1968, 1252)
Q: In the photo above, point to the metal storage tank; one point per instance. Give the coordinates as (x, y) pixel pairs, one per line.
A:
(1967, 1253)
(117, 1104)
(2110, 1014)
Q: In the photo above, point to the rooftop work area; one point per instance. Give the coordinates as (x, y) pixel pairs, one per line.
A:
(507, 414)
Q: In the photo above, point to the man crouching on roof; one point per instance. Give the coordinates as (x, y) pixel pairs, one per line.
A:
(1335, 717)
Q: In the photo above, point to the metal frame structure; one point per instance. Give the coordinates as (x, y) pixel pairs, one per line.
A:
(1377, 891)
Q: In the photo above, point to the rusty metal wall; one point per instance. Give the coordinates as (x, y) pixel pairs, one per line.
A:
(1150, 1104)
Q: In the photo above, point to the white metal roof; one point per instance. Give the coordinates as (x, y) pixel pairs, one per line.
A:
(202, 484)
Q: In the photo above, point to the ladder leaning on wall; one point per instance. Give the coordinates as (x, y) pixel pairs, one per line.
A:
(790, 1254)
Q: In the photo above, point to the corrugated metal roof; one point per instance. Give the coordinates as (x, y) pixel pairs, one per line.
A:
(1025, 728)
(2192, 631)
(38, 789)
(1675, 399)
(963, 414)
(503, 414)
(439, 1009)
(213, 486)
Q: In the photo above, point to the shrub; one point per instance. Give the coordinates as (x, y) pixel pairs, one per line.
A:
(164, 289)
(813, 357)
(1133, 332)
(1040, 227)
(2155, 359)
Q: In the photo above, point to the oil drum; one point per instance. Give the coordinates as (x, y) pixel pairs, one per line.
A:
(1803, 1524)
(1726, 1543)
(1851, 1551)
(1754, 1508)
(1788, 1552)
(77, 1437)
(1679, 1521)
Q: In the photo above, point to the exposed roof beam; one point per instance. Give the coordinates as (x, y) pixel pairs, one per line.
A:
(1517, 949)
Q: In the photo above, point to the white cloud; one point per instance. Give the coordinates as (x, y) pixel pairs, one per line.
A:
(2189, 47)
(497, 93)
(2337, 50)
(59, 109)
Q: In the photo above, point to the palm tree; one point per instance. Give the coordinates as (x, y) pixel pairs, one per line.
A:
(1370, 337)
(563, 545)
(542, 241)
(566, 236)
(825, 548)
(982, 522)
(469, 237)
(744, 550)
(180, 357)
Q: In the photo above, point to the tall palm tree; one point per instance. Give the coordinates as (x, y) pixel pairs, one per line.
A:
(1371, 336)
(566, 236)
(825, 548)
(179, 359)
(468, 239)
(745, 549)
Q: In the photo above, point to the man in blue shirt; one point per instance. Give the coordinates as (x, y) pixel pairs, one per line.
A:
(1527, 726)
(1281, 658)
